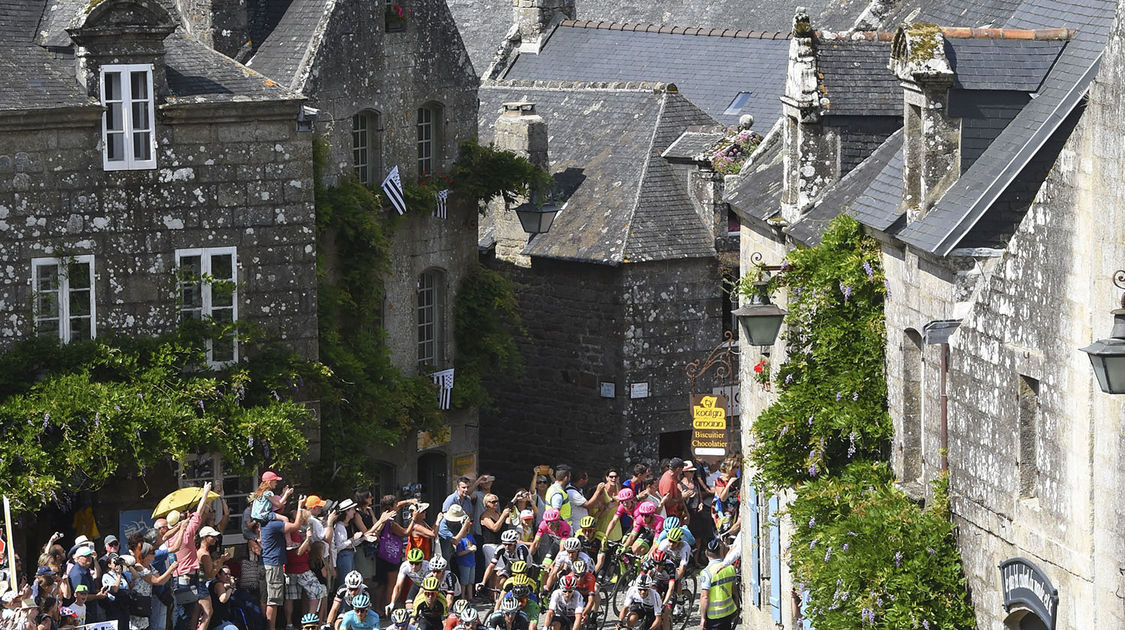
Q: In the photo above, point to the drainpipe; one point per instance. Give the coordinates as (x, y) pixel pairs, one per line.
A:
(938, 332)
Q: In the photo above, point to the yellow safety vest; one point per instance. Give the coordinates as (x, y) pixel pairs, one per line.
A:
(720, 597)
(564, 511)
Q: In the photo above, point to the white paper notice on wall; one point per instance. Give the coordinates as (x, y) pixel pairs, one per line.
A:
(609, 390)
(638, 390)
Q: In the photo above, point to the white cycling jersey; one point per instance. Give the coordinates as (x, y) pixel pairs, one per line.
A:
(648, 601)
(563, 603)
(684, 551)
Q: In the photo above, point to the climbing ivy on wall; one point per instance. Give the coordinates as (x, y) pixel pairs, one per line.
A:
(485, 318)
(866, 554)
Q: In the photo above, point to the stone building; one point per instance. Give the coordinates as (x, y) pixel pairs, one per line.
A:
(984, 204)
(389, 91)
(130, 152)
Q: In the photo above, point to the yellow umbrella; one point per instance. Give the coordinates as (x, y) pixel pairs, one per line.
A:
(180, 499)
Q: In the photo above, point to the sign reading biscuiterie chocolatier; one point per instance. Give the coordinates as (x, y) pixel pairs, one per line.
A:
(709, 425)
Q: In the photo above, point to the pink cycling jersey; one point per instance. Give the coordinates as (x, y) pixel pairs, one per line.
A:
(657, 523)
(563, 531)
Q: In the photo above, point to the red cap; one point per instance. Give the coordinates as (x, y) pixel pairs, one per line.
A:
(270, 475)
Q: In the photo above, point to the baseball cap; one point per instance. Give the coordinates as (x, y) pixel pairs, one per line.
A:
(83, 551)
(209, 531)
(81, 588)
(527, 515)
(270, 475)
(676, 463)
(313, 501)
(109, 540)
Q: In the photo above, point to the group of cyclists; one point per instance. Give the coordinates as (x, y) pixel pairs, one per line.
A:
(629, 559)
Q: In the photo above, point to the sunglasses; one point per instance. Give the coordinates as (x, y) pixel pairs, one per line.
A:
(612, 476)
(540, 483)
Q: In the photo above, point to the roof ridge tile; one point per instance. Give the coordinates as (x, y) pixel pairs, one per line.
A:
(678, 30)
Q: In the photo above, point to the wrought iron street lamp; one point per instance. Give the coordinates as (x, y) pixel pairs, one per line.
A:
(761, 319)
(1108, 355)
(537, 219)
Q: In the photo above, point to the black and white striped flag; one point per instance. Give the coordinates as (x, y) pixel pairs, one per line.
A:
(442, 197)
(392, 186)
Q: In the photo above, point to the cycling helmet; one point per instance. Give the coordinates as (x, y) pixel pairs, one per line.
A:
(658, 555)
(551, 515)
(672, 522)
(400, 616)
(415, 556)
(509, 536)
(353, 580)
(579, 567)
(361, 601)
(521, 591)
(572, 544)
(519, 566)
(469, 615)
(430, 583)
(438, 564)
(568, 582)
(587, 522)
(509, 605)
(310, 619)
(675, 534)
(625, 494)
(643, 581)
(460, 605)
(645, 508)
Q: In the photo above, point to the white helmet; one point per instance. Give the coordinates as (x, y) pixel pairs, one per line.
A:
(438, 564)
(572, 544)
(469, 615)
(353, 580)
(509, 536)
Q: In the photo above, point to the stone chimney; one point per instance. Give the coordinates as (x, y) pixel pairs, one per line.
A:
(810, 149)
(120, 32)
(536, 19)
(524, 132)
(932, 138)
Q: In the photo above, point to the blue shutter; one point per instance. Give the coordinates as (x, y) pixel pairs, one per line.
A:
(775, 562)
(756, 549)
(806, 623)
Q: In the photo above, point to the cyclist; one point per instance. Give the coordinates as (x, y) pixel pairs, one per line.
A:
(677, 550)
(590, 536)
(646, 527)
(400, 619)
(342, 602)
(572, 550)
(564, 612)
(519, 576)
(455, 614)
(554, 528)
(717, 582)
(661, 567)
(499, 568)
(641, 603)
(622, 521)
(672, 522)
(360, 617)
(529, 603)
(450, 585)
(470, 619)
(430, 607)
(311, 621)
(509, 616)
(413, 569)
(587, 586)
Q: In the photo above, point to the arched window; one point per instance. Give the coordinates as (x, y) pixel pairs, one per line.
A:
(366, 151)
(431, 309)
(429, 127)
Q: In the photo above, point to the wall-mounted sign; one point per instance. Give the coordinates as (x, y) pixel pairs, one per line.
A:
(638, 390)
(1025, 585)
(464, 464)
(734, 398)
(609, 390)
(709, 425)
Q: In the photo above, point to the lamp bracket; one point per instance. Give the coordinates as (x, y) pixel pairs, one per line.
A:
(1119, 282)
(756, 260)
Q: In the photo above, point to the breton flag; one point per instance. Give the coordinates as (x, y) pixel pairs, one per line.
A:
(444, 381)
(392, 186)
(442, 196)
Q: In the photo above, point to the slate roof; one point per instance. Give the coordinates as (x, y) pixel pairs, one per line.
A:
(710, 70)
(692, 144)
(33, 80)
(1001, 64)
(855, 78)
(623, 202)
(18, 19)
(877, 204)
(965, 205)
(758, 193)
(288, 50)
(197, 73)
(483, 23)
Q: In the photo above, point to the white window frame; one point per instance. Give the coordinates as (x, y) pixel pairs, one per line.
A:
(63, 314)
(130, 162)
(426, 138)
(361, 147)
(430, 348)
(205, 254)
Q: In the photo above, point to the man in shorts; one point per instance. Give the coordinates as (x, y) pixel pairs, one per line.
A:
(274, 535)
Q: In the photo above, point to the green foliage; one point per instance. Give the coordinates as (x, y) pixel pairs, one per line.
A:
(831, 405)
(870, 557)
(484, 172)
(485, 314)
(73, 416)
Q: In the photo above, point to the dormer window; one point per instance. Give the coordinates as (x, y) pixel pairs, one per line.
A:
(128, 124)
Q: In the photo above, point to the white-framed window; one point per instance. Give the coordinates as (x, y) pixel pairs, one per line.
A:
(431, 306)
(197, 469)
(429, 138)
(129, 120)
(207, 287)
(366, 157)
(63, 290)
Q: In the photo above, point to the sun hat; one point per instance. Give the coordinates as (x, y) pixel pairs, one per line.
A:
(455, 513)
(173, 518)
(689, 465)
(345, 505)
(527, 515)
(83, 551)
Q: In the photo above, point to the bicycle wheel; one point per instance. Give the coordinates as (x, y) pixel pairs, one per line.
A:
(617, 594)
(685, 605)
